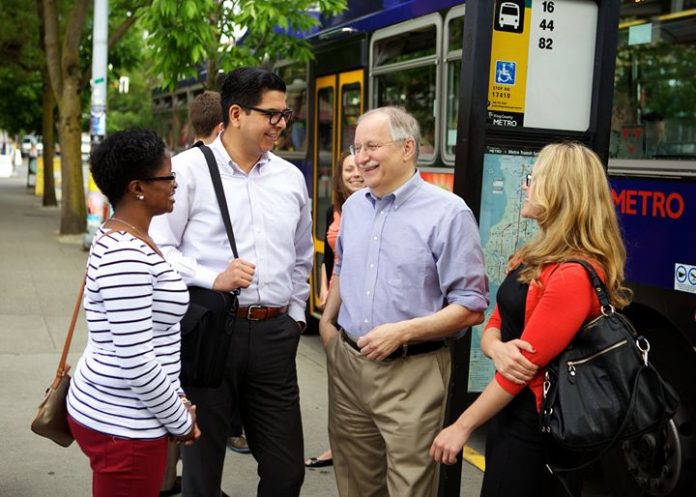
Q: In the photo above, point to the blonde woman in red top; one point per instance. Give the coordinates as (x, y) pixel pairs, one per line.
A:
(347, 179)
(541, 304)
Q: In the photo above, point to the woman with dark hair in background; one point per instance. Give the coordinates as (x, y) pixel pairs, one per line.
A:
(125, 399)
(347, 179)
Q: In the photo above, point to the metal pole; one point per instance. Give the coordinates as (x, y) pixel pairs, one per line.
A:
(99, 67)
(97, 206)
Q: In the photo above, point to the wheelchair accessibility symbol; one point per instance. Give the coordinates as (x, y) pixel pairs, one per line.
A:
(505, 72)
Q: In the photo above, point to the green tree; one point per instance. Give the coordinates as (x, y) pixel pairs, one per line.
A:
(20, 79)
(64, 35)
(186, 34)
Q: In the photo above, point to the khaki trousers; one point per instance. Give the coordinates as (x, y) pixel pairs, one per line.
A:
(383, 417)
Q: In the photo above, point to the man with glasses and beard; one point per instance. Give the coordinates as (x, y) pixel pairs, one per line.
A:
(270, 213)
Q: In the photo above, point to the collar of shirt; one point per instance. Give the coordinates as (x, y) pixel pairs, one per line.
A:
(400, 195)
(220, 147)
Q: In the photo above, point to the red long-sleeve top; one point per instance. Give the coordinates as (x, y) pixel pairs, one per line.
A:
(556, 307)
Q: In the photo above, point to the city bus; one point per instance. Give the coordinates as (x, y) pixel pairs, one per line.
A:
(409, 53)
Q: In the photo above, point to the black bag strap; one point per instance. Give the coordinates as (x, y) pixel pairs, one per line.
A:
(220, 194)
(599, 287)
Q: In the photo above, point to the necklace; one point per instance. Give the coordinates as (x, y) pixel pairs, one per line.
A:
(145, 238)
(137, 231)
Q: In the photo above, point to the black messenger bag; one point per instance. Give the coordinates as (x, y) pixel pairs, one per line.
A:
(207, 326)
(602, 389)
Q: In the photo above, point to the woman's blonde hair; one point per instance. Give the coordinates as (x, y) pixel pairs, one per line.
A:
(576, 217)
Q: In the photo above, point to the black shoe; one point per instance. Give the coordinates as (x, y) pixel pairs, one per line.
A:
(315, 462)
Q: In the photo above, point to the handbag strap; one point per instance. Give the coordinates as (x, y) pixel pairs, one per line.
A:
(62, 369)
(599, 287)
(220, 194)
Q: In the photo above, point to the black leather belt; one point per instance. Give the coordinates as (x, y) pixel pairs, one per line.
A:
(404, 350)
(260, 312)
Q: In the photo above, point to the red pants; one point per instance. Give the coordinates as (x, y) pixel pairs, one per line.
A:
(122, 467)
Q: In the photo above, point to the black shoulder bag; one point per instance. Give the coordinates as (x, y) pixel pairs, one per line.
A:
(602, 389)
(207, 326)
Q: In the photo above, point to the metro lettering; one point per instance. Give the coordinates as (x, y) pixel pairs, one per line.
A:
(649, 203)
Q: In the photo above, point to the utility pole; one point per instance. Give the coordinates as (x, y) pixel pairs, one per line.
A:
(97, 207)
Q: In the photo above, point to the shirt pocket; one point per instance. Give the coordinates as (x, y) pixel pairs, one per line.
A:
(408, 274)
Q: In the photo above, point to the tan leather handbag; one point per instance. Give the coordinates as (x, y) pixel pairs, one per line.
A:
(51, 420)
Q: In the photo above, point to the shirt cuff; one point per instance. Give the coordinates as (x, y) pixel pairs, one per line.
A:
(297, 312)
(203, 278)
(473, 301)
(508, 386)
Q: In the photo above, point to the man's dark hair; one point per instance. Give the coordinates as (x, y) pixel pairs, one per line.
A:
(245, 87)
(205, 113)
(123, 157)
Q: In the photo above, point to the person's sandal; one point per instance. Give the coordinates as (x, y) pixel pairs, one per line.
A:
(315, 462)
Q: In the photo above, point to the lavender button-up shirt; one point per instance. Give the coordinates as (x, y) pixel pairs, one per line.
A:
(407, 255)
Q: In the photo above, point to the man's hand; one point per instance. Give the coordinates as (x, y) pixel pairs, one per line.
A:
(381, 341)
(238, 274)
(510, 362)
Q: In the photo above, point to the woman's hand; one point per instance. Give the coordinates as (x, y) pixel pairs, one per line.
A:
(195, 432)
(449, 443)
(510, 362)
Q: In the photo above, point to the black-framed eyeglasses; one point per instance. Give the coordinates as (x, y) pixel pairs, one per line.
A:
(171, 178)
(528, 180)
(274, 116)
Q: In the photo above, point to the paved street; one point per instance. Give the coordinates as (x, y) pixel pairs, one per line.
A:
(40, 275)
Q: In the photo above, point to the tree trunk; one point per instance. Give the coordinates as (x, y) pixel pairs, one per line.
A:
(73, 217)
(48, 103)
(211, 79)
(47, 127)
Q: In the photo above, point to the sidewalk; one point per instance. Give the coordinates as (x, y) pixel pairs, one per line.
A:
(40, 274)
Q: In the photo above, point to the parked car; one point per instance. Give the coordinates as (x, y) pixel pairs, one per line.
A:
(27, 142)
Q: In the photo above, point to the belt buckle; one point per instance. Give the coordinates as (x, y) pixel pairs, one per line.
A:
(251, 308)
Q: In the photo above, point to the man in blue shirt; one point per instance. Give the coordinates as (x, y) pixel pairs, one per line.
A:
(410, 272)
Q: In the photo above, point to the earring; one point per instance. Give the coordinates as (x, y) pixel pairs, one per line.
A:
(140, 196)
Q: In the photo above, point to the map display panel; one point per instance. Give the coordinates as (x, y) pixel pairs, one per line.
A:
(503, 231)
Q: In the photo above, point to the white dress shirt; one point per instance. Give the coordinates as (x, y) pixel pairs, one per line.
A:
(271, 220)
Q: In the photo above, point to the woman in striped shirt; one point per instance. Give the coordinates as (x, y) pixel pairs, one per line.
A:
(125, 400)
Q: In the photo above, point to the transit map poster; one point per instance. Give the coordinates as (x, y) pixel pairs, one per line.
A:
(502, 230)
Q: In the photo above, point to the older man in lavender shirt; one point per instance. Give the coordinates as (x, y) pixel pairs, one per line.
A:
(410, 273)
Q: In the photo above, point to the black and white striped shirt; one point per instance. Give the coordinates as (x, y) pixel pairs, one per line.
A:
(127, 382)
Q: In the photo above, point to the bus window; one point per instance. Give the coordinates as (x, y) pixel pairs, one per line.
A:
(413, 89)
(454, 69)
(654, 110)
(404, 73)
(350, 111)
(325, 134)
(454, 28)
(294, 139)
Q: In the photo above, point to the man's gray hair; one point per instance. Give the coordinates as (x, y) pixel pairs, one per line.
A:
(402, 124)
